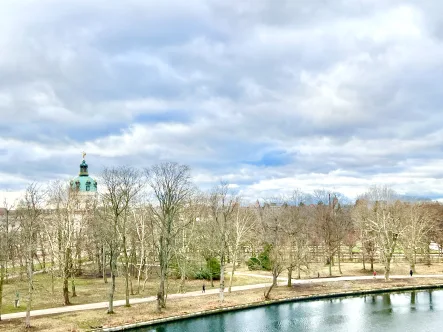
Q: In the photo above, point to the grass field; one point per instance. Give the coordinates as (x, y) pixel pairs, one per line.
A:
(90, 290)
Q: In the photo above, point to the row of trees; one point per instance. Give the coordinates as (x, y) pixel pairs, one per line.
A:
(156, 219)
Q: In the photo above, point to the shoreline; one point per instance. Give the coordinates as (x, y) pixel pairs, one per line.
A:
(142, 312)
(251, 305)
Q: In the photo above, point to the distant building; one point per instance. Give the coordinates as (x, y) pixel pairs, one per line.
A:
(83, 188)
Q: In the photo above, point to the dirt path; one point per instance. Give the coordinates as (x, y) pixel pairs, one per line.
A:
(103, 305)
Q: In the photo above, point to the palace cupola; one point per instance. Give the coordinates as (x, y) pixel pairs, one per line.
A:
(83, 183)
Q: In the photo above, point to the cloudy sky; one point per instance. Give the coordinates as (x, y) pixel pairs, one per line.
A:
(270, 95)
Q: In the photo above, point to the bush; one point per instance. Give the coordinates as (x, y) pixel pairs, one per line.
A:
(262, 262)
(194, 270)
(212, 267)
(253, 264)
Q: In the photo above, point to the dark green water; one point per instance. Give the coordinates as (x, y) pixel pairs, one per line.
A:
(404, 312)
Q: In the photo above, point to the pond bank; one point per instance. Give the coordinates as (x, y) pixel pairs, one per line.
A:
(306, 292)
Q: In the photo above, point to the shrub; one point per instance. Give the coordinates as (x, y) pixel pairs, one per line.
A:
(253, 264)
(262, 262)
(212, 267)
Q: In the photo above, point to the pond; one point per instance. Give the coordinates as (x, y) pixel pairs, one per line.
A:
(410, 311)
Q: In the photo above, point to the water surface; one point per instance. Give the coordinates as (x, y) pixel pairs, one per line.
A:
(411, 311)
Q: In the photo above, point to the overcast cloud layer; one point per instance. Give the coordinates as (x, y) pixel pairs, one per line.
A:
(271, 95)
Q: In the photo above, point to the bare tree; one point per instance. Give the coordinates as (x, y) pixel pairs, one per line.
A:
(97, 228)
(3, 261)
(343, 223)
(190, 217)
(223, 206)
(171, 186)
(5, 245)
(121, 186)
(381, 216)
(142, 218)
(272, 220)
(297, 232)
(243, 223)
(208, 239)
(360, 214)
(60, 232)
(325, 222)
(30, 211)
(436, 211)
(419, 224)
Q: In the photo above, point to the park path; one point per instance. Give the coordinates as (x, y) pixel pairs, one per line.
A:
(349, 278)
(118, 303)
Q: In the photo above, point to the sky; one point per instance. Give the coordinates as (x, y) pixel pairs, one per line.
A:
(269, 95)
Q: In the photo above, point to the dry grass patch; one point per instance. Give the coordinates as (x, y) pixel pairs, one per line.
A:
(92, 290)
(355, 269)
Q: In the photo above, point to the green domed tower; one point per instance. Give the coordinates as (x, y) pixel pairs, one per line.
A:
(83, 182)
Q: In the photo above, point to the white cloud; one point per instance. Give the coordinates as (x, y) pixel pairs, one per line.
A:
(268, 96)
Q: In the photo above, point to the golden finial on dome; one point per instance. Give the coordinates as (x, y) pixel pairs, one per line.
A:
(83, 154)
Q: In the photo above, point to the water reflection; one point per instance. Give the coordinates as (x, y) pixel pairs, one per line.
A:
(405, 312)
(387, 302)
(430, 300)
(413, 299)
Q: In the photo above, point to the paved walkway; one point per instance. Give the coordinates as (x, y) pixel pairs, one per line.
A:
(117, 303)
(330, 279)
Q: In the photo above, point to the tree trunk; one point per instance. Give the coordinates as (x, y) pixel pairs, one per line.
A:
(330, 265)
(12, 265)
(338, 258)
(274, 283)
(131, 286)
(105, 280)
(126, 265)
(233, 269)
(146, 277)
(30, 291)
(139, 274)
(78, 268)
(113, 267)
(43, 252)
(388, 267)
(98, 260)
(22, 268)
(161, 301)
(161, 295)
(181, 287)
(372, 264)
(268, 292)
(74, 293)
(428, 255)
(290, 276)
(363, 257)
(52, 276)
(290, 266)
(65, 290)
(127, 287)
(222, 278)
(139, 280)
(2, 279)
